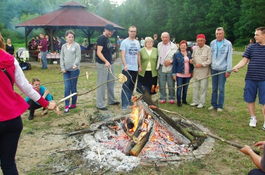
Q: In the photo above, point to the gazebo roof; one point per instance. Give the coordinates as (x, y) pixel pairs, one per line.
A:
(71, 14)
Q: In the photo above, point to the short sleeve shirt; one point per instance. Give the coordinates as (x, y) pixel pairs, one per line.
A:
(106, 51)
(256, 66)
(131, 48)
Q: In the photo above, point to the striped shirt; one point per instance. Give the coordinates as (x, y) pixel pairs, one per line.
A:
(256, 66)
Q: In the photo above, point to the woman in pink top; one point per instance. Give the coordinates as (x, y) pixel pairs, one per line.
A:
(182, 71)
(12, 106)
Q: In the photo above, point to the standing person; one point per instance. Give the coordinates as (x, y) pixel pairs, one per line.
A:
(201, 58)
(118, 44)
(62, 42)
(48, 43)
(166, 51)
(70, 58)
(221, 62)
(43, 51)
(131, 63)
(43, 92)
(105, 69)
(254, 56)
(142, 42)
(257, 160)
(182, 72)
(9, 47)
(155, 41)
(12, 106)
(148, 76)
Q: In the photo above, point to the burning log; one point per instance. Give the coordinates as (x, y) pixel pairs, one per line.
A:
(140, 145)
(158, 114)
(135, 139)
(136, 133)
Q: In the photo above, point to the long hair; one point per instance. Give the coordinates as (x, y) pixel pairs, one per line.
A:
(2, 42)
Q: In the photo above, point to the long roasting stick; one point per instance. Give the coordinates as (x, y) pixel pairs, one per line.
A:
(209, 134)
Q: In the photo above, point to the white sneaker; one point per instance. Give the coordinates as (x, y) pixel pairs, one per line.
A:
(200, 106)
(219, 110)
(210, 108)
(253, 122)
(194, 104)
(263, 126)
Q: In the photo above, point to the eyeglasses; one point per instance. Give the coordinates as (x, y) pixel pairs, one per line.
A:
(132, 31)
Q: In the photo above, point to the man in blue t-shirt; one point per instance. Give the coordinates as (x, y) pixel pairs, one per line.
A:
(254, 56)
(130, 49)
(104, 66)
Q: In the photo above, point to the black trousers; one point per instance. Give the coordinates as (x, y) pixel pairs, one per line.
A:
(147, 82)
(9, 134)
(32, 107)
(256, 172)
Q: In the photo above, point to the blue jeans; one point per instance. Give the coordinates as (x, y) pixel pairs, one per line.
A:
(181, 81)
(128, 87)
(70, 83)
(44, 59)
(9, 135)
(218, 85)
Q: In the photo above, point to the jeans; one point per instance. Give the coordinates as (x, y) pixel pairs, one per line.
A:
(128, 88)
(70, 83)
(44, 59)
(181, 81)
(9, 135)
(218, 85)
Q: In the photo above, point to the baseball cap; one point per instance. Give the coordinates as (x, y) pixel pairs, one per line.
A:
(110, 27)
(200, 36)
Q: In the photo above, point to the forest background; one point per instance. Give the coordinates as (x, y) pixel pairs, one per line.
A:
(182, 19)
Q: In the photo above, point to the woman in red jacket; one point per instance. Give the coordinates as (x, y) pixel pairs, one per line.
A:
(12, 106)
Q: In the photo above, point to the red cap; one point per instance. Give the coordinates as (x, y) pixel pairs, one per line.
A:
(201, 36)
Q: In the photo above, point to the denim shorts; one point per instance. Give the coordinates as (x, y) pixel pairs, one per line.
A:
(252, 88)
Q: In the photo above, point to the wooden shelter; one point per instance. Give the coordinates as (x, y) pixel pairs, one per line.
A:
(71, 15)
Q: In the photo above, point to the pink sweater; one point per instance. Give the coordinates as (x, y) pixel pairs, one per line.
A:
(13, 105)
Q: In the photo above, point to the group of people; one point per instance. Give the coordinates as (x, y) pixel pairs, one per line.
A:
(156, 68)
(165, 65)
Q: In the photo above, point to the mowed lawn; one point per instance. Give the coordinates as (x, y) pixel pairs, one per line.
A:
(231, 124)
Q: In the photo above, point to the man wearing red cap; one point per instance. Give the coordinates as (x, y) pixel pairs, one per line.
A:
(201, 58)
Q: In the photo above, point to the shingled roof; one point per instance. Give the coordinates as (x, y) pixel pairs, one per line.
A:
(71, 14)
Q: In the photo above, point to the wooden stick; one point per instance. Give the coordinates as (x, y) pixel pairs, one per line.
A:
(135, 151)
(229, 142)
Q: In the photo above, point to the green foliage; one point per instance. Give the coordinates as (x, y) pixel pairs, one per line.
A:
(182, 19)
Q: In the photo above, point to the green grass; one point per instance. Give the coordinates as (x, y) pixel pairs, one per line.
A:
(231, 124)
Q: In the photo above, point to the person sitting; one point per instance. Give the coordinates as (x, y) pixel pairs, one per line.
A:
(43, 92)
(85, 44)
(257, 160)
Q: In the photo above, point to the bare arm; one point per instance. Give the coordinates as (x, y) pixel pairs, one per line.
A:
(123, 60)
(139, 62)
(241, 64)
(101, 56)
(255, 158)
